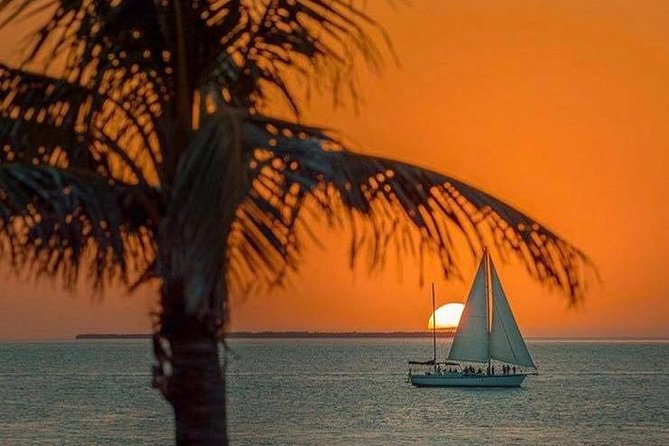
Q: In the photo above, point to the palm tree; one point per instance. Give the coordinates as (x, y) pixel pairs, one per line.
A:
(133, 147)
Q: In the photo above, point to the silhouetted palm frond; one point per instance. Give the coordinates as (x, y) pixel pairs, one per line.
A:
(54, 220)
(44, 120)
(116, 94)
(135, 76)
(242, 47)
(264, 43)
(386, 203)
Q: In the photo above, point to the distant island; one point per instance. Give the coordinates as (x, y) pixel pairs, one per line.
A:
(287, 334)
(365, 334)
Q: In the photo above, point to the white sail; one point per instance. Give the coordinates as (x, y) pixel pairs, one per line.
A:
(471, 339)
(506, 342)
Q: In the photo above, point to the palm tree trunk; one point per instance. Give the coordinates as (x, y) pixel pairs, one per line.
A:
(197, 391)
(191, 264)
(194, 384)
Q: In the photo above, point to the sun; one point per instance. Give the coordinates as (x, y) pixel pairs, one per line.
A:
(448, 316)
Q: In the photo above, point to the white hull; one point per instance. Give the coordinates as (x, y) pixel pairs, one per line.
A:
(462, 380)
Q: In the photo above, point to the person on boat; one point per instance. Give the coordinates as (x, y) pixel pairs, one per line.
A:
(514, 369)
(493, 369)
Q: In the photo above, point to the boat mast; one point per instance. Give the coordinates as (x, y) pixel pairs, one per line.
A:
(486, 259)
(434, 332)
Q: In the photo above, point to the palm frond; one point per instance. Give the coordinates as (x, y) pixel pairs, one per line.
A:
(264, 44)
(124, 107)
(386, 203)
(244, 47)
(44, 120)
(96, 38)
(54, 221)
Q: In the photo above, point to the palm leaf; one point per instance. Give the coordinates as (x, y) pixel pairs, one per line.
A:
(265, 43)
(53, 221)
(245, 47)
(57, 122)
(385, 202)
(113, 111)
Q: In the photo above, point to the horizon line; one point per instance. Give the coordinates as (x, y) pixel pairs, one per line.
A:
(296, 334)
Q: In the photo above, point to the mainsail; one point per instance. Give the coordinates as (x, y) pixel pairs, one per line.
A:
(471, 339)
(480, 338)
(506, 342)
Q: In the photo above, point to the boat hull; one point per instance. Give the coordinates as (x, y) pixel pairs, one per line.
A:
(462, 380)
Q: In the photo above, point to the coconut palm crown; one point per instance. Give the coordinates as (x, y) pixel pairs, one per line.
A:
(133, 147)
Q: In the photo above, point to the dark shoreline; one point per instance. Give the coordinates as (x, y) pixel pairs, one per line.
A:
(285, 335)
(361, 335)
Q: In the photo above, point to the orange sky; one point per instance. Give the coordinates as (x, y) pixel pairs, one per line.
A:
(561, 108)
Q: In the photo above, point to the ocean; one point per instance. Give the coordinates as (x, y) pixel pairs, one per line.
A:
(339, 392)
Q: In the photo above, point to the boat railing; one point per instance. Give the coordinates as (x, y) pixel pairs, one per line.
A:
(446, 367)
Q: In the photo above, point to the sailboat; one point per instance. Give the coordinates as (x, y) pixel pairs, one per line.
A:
(488, 349)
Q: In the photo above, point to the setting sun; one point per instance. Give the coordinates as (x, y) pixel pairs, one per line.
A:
(448, 316)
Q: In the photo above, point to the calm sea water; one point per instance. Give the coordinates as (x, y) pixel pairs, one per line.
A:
(338, 392)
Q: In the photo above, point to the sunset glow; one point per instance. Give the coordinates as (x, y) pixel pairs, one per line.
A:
(559, 108)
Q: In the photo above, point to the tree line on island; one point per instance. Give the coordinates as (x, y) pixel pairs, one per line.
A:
(287, 334)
